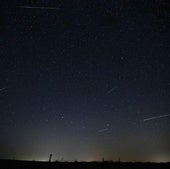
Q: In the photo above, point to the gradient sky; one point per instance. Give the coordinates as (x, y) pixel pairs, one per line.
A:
(78, 80)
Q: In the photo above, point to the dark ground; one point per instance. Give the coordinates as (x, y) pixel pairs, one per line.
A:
(14, 164)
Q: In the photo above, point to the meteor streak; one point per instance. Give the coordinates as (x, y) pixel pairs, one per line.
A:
(156, 117)
(4, 88)
(39, 7)
(103, 130)
(112, 89)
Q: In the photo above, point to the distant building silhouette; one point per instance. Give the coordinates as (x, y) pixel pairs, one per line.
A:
(102, 159)
(50, 157)
(119, 160)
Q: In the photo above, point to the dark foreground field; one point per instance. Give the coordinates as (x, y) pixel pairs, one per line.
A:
(13, 164)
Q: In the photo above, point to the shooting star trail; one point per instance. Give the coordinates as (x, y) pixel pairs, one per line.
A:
(156, 117)
(103, 130)
(4, 88)
(39, 7)
(111, 90)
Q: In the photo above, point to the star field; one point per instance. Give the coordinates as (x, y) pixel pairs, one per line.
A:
(78, 78)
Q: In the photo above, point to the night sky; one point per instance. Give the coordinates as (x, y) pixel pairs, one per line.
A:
(85, 80)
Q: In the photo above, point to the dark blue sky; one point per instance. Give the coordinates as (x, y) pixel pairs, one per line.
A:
(78, 78)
